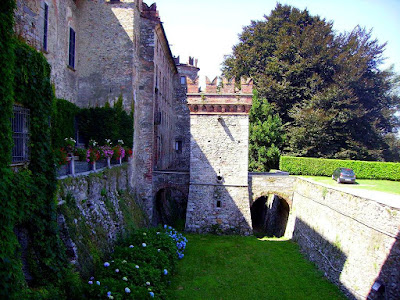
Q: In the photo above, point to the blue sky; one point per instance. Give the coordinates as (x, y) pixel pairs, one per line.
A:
(207, 29)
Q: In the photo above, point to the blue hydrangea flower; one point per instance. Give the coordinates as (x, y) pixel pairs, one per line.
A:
(108, 293)
(127, 290)
(98, 282)
(106, 264)
(137, 267)
(131, 246)
(116, 270)
(90, 282)
(124, 278)
(151, 294)
(144, 245)
(165, 272)
(147, 283)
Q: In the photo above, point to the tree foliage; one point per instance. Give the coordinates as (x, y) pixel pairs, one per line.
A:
(266, 136)
(333, 99)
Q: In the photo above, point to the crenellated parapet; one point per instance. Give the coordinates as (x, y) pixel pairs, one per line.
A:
(193, 85)
(150, 12)
(223, 97)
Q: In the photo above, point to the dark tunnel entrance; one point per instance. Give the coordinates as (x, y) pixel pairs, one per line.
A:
(269, 216)
(170, 208)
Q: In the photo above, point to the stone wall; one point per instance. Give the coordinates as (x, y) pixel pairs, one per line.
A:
(353, 240)
(218, 193)
(62, 14)
(165, 102)
(93, 211)
(107, 42)
(155, 115)
(182, 131)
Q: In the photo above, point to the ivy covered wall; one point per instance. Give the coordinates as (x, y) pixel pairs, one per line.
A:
(34, 261)
(11, 277)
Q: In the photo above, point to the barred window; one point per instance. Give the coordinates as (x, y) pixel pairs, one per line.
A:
(20, 128)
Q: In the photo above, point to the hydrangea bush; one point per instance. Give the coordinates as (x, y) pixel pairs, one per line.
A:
(140, 267)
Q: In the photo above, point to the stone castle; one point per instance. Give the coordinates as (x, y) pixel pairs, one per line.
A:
(189, 146)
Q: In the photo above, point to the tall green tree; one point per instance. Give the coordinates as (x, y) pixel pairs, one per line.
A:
(266, 136)
(327, 88)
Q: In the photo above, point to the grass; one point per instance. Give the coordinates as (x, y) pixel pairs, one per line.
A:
(387, 186)
(238, 267)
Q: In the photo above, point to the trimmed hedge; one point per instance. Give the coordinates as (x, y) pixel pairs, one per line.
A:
(100, 123)
(325, 167)
(63, 122)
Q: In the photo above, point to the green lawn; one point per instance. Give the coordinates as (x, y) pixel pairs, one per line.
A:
(237, 267)
(387, 186)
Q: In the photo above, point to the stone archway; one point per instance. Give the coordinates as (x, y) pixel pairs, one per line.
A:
(170, 205)
(269, 215)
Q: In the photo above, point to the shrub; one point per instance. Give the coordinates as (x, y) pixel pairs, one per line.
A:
(62, 122)
(140, 266)
(107, 122)
(325, 167)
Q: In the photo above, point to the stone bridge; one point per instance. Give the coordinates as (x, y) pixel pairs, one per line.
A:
(265, 184)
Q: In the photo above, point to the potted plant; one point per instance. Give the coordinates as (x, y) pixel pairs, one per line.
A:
(92, 154)
(70, 149)
(119, 151)
(107, 151)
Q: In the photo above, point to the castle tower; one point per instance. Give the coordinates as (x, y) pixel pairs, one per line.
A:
(219, 127)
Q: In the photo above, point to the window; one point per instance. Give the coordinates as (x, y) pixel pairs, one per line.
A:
(46, 25)
(20, 128)
(178, 146)
(183, 80)
(71, 57)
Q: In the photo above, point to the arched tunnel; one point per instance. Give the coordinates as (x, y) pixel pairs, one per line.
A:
(269, 215)
(170, 204)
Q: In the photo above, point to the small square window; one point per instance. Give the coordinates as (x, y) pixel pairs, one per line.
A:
(183, 79)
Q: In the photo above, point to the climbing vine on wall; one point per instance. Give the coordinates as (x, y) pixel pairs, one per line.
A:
(33, 90)
(11, 277)
(28, 196)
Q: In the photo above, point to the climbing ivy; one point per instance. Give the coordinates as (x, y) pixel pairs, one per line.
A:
(33, 90)
(11, 277)
(28, 196)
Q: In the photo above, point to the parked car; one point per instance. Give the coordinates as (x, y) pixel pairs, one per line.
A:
(344, 175)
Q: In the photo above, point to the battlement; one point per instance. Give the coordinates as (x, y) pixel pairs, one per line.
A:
(222, 86)
(220, 97)
(193, 85)
(150, 12)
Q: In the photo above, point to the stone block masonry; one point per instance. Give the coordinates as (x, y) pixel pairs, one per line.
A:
(93, 210)
(218, 191)
(354, 240)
